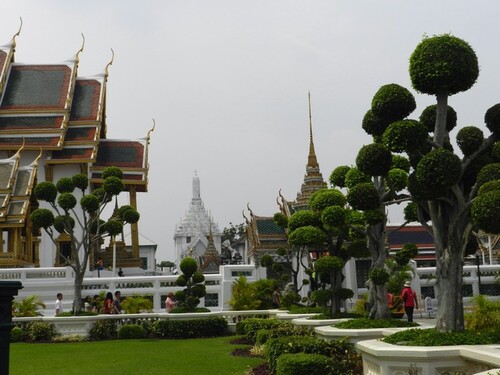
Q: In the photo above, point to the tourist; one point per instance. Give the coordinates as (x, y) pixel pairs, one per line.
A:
(276, 298)
(117, 306)
(100, 266)
(58, 305)
(108, 304)
(410, 301)
(170, 302)
(95, 303)
(120, 272)
(87, 304)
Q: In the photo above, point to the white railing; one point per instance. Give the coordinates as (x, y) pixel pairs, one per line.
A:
(47, 282)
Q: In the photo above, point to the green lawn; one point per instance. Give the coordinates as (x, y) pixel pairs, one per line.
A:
(131, 357)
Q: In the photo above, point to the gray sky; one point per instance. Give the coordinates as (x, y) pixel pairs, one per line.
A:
(227, 82)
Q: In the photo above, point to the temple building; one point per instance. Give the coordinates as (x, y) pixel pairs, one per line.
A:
(197, 235)
(263, 234)
(53, 125)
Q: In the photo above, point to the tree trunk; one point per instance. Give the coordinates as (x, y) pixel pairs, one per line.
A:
(77, 302)
(377, 293)
(450, 315)
(336, 284)
(440, 131)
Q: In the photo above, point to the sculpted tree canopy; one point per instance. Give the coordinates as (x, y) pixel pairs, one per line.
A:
(81, 220)
(451, 191)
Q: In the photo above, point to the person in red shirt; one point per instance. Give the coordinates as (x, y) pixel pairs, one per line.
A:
(108, 303)
(410, 301)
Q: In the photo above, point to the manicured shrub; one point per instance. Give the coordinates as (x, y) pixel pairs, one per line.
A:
(366, 323)
(341, 352)
(303, 364)
(249, 327)
(432, 337)
(284, 330)
(131, 331)
(147, 325)
(194, 328)
(104, 329)
(40, 331)
(16, 334)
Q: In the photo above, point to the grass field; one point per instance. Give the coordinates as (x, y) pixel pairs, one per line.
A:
(131, 357)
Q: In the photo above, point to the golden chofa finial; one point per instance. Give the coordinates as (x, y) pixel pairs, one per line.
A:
(38, 157)
(13, 44)
(77, 57)
(151, 130)
(22, 147)
(106, 70)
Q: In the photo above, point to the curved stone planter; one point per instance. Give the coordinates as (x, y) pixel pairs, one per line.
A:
(313, 323)
(288, 316)
(355, 335)
(380, 358)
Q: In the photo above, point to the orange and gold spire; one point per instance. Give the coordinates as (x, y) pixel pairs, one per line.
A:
(313, 179)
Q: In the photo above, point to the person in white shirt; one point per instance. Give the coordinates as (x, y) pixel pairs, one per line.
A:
(59, 307)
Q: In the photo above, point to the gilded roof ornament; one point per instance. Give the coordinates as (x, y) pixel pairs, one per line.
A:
(151, 130)
(35, 162)
(13, 44)
(22, 146)
(106, 70)
(77, 56)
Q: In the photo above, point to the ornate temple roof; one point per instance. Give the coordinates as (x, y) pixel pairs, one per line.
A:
(197, 219)
(49, 107)
(264, 234)
(16, 183)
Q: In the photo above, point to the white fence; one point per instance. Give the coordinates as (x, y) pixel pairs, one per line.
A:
(47, 282)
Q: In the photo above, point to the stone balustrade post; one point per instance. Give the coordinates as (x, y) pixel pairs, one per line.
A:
(8, 289)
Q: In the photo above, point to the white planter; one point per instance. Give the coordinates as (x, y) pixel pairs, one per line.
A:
(380, 358)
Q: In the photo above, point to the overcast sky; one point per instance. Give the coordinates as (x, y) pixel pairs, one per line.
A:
(227, 82)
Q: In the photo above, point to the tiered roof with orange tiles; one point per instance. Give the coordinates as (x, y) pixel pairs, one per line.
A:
(50, 107)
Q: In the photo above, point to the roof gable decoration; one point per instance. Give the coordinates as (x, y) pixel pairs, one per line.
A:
(7, 57)
(8, 169)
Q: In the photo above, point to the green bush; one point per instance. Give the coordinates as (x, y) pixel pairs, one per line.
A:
(432, 337)
(249, 327)
(303, 364)
(485, 315)
(147, 325)
(285, 330)
(362, 323)
(40, 331)
(104, 329)
(182, 329)
(341, 352)
(131, 331)
(70, 338)
(298, 309)
(16, 334)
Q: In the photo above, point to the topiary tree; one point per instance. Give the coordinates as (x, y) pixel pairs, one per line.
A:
(324, 228)
(444, 185)
(81, 221)
(380, 178)
(193, 281)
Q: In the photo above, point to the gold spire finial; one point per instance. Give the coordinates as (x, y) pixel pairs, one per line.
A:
(22, 146)
(77, 57)
(38, 157)
(151, 130)
(106, 70)
(311, 159)
(13, 45)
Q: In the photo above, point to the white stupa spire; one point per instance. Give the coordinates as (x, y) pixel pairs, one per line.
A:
(196, 188)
